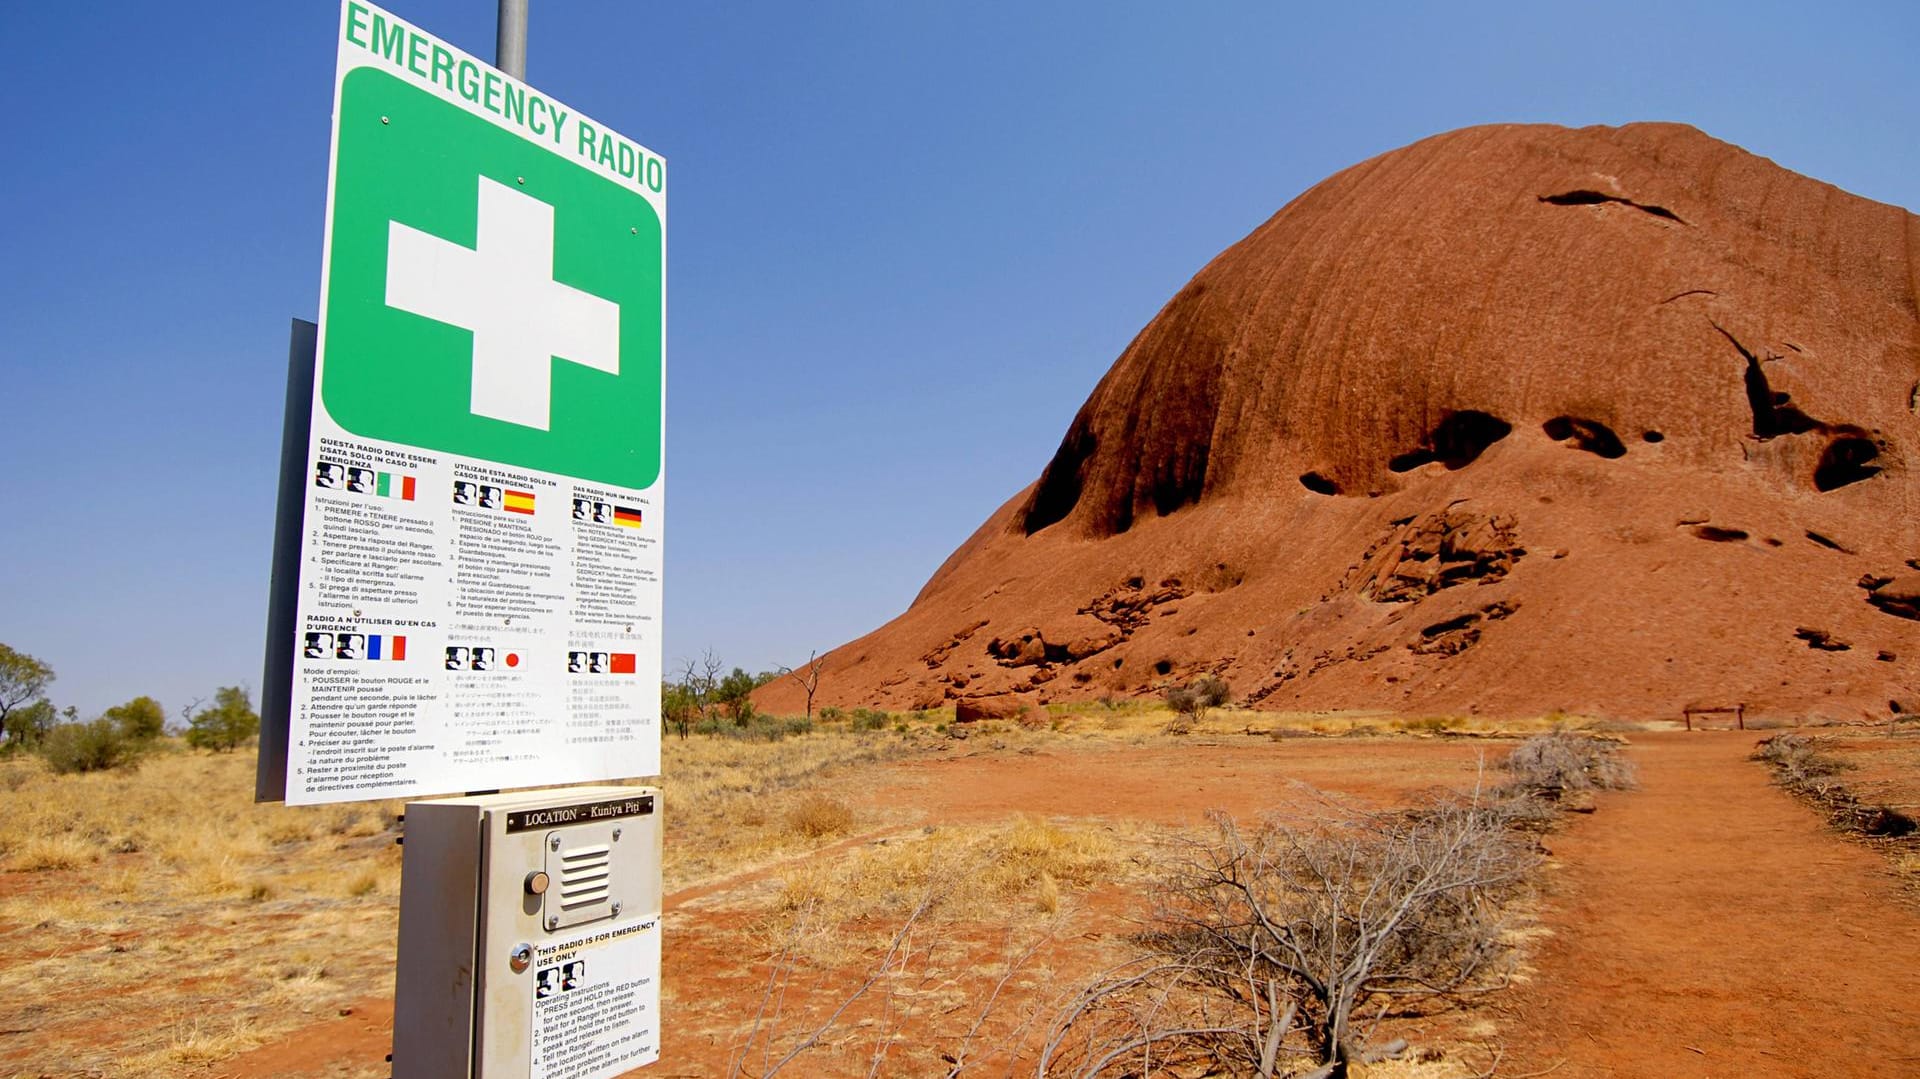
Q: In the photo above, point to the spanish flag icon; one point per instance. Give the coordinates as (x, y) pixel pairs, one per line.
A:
(517, 501)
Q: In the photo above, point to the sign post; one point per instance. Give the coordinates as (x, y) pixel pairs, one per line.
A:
(467, 577)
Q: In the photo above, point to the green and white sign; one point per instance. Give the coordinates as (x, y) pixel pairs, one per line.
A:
(480, 595)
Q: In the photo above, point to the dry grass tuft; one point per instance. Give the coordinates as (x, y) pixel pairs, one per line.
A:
(817, 816)
(998, 874)
(731, 802)
(34, 853)
(199, 1043)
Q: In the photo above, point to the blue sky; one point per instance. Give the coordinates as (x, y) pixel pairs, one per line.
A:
(905, 242)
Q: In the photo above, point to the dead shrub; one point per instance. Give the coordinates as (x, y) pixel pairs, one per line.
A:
(1800, 759)
(1555, 764)
(1268, 941)
(1191, 702)
(1804, 765)
(817, 816)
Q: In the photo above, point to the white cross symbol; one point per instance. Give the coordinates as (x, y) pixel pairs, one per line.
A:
(503, 290)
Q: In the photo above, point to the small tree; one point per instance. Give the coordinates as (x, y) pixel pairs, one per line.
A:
(700, 678)
(29, 723)
(735, 694)
(140, 719)
(225, 724)
(807, 677)
(678, 706)
(23, 684)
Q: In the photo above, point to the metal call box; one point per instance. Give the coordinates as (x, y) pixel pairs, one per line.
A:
(529, 936)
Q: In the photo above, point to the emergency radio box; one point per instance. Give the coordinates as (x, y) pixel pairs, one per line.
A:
(529, 935)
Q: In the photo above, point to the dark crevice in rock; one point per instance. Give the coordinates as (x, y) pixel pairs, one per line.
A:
(1849, 454)
(1652, 437)
(1690, 292)
(1589, 435)
(1773, 413)
(1828, 542)
(1846, 460)
(1584, 197)
(1179, 480)
(1720, 535)
(1448, 626)
(1459, 439)
(1318, 484)
(1060, 485)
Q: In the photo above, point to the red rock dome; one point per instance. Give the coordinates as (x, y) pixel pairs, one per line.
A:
(1514, 419)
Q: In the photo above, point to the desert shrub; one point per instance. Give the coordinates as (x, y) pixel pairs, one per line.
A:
(1430, 724)
(832, 714)
(870, 719)
(1287, 930)
(756, 727)
(1553, 764)
(817, 816)
(1191, 701)
(89, 747)
(1800, 759)
(140, 719)
(1803, 765)
(229, 721)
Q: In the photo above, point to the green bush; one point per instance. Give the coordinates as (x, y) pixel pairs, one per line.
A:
(229, 721)
(140, 719)
(89, 747)
(831, 714)
(758, 727)
(868, 719)
(734, 693)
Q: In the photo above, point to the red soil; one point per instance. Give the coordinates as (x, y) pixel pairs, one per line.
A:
(1708, 924)
(1704, 925)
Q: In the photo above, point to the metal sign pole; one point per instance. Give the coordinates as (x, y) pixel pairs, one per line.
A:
(510, 43)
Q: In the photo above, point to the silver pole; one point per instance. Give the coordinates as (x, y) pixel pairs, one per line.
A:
(510, 44)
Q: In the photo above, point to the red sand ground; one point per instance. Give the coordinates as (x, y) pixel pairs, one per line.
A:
(1704, 925)
(1710, 925)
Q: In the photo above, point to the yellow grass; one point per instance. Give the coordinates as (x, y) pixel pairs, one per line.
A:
(186, 924)
(1001, 874)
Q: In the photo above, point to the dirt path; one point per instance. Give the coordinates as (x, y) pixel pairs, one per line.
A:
(1709, 925)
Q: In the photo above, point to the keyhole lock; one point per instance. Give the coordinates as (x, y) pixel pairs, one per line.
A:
(520, 958)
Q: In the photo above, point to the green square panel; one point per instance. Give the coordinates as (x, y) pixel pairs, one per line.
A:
(486, 296)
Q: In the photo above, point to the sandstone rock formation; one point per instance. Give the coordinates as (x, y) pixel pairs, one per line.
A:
(1514, 419)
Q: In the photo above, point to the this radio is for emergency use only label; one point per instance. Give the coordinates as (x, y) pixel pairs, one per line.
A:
(596, 1003)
